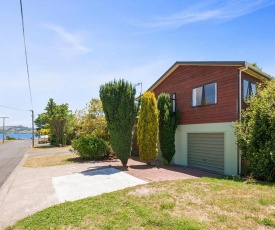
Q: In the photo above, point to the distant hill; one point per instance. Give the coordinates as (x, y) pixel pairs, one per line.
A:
(16, 129)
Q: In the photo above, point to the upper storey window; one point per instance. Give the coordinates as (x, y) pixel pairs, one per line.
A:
(173, 101)
(204, 95)
(249, 89)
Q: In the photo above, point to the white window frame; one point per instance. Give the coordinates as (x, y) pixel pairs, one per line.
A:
(194, 95)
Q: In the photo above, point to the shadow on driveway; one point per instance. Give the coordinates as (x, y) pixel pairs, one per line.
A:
(100, 170)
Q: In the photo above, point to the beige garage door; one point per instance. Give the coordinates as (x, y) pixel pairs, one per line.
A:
(206, 151)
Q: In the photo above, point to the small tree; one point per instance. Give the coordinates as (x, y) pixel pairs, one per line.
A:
(120, 109)
(168, 122)
(256, 132)
(91, 121)
(58, 122)
(148, 128)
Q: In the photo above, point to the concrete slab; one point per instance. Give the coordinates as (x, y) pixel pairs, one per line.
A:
(30, 190)
(92, 183)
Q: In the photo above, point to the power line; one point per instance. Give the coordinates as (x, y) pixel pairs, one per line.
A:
(14, 108)
(26, 57)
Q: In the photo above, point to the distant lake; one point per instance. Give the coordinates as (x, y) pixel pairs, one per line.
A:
(20, 135)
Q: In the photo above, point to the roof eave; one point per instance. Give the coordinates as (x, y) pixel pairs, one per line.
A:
(163, 77)
(254, 71)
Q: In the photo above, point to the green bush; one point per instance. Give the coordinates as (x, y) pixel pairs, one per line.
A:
(90, 147)
(256, 133)
(168, 122)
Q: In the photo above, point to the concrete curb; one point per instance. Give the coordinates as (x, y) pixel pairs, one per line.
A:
(4, 190)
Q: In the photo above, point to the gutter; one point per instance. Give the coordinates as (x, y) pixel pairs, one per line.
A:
(240, 112)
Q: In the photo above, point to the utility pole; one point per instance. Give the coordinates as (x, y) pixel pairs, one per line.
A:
(32, 128)
(4, 128)
(140, 83)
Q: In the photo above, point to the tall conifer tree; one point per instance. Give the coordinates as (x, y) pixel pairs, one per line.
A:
(120, 109)
(168, 122)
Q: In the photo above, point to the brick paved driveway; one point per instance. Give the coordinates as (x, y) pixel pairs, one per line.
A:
(157, 171)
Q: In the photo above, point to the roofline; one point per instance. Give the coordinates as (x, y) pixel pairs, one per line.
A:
(242, 64)
(258, 71)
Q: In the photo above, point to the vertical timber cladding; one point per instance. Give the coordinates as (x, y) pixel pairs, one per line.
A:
(206, 151)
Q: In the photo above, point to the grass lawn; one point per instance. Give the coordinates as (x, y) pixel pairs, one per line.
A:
(51, 160)
(50, 156)
(47, 147)
(206, 203)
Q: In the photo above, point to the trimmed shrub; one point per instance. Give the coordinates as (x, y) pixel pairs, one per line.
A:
(255, 132)
(147, 128)
(168, 122)
(90, 147)
(120, 109)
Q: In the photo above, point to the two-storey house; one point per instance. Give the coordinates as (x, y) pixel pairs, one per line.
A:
(210, 96)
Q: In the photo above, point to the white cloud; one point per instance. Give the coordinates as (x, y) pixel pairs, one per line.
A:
(71, 43)
(210, 10)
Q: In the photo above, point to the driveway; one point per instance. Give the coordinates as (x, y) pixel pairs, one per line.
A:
(29, 190)
(34, 189)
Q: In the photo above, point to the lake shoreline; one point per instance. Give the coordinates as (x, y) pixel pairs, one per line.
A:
(20, 136)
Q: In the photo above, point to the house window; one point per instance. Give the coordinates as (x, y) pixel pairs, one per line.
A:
(173, 101)
(249, 89)
(204, 95)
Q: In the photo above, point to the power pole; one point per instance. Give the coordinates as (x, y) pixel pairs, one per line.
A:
(4, 128)
(140, 83)
(32, 128)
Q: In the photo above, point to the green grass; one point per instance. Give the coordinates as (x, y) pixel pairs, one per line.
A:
(207, 203)
(265, 221)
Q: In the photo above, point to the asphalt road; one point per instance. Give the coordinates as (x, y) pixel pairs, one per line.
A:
(11, 153)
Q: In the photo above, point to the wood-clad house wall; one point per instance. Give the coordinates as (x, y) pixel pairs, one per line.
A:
(186, 77)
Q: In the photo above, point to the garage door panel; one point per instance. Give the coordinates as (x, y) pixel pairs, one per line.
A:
(203, 158)
(209, 168)
(209, 135)
(211, 165)
(215, 163)
(213, 142)
(206, 151)
(209, 149)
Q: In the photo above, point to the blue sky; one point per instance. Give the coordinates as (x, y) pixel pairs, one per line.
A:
(74, 46)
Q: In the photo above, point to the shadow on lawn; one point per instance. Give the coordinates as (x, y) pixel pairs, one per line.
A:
(247, 180)
(76, 160)
(262, 183)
